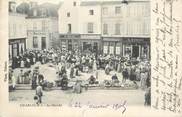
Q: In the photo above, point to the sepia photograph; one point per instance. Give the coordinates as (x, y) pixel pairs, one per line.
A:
(80, 52)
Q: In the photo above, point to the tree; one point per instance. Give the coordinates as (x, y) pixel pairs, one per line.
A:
(23, 8)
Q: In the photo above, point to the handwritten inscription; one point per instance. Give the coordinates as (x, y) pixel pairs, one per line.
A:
(121, 106)
(166, 53)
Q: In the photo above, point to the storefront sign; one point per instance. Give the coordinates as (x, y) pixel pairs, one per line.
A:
(39, 33)
(14, 41)
(135, 40)
(69, 36)
(93, 36)
(112, 39)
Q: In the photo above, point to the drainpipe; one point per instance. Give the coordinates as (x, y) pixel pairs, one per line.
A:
(101, 40)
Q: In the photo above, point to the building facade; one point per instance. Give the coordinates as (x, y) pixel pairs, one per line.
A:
(80, 26)
(17, 32)
(106, 27)
(126, 28)
(42, 26)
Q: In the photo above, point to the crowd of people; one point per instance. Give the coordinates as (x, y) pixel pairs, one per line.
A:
(131, 69)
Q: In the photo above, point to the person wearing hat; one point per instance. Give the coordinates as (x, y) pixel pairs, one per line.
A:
(125, 75)
(21, 77)
(39, 93)
(64, 81)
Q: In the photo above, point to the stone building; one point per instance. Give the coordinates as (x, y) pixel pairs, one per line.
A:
(17, 31)
(106, 27)
(42, 26)
(80, 26)
(126, 28)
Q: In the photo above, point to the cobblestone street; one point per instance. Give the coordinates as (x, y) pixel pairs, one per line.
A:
(133, 97)
(64, 97)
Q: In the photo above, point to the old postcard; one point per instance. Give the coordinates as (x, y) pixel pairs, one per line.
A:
(83, 58)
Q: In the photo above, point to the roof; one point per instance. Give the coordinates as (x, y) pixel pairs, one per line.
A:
(97, 2)
(49, 8)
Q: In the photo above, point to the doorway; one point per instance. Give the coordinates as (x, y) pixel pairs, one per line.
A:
(43, 40)
(135, 51)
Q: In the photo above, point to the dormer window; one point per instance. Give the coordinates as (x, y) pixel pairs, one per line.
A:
(74, 3)
(91, 12)
(35, 12)
(68, 14)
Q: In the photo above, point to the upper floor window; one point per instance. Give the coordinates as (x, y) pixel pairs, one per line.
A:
(128, 11)
(43, 25)
(68, 14)
(69, 28)
(91, 12)
(34, 26)
(117, 10)
(35, 12)
(14, 29)
(105, 10)
(90, 27)
(105, 29)
(117, 29)
(74, 3)
(35, 42)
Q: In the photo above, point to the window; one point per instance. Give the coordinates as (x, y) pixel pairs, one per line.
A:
(69, 28)
(14, 29)
(74, 3)
(35, 12)
(117, 10)
(127, 50)
(117, 29)
(43, 41)
(68, 14)
(105, 29)
(128, 11)
(105, 49)
(105, 11)
(43, 12)
(34, 26)
(43, 25)
(35, 42)
(90, 27)
(91, 12)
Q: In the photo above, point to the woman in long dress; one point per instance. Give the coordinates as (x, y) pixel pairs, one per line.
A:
(107, 69)
(13, 78)
(143, 80)
(95, 69)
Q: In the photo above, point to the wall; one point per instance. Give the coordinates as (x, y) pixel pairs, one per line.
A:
(66, 7)
(50, 30)
(17, 26)
(85, 18)
(134, 19)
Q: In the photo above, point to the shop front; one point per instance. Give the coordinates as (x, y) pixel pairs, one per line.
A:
(16, 47)
(80, 42)
(127, 47)
(136, 48)
(112, 45)
(91, 43)
(69, 42)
